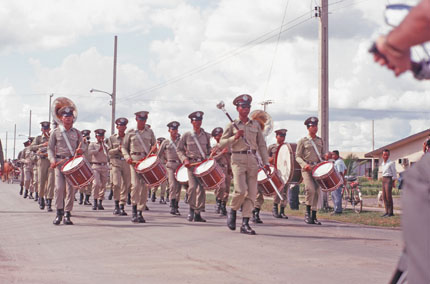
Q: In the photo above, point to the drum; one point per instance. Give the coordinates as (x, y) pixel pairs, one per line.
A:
(181, 174)
(326, 176)
(209, 173)
(265, 184)
(285, 162)
(152, 170)
(78, 172)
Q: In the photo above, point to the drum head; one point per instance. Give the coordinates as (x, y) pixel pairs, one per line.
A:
(284, 161)
(146, 163)
(322, 169)
(71, 164)
(204, 166)
(262, 175)
(182, 174)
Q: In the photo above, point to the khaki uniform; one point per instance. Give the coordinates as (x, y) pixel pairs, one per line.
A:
(27, 160)
(86, 190)
(99, 163)
(57, 151)
(168, 151)
(244, 165)
(305, 154)
(272, 149)
(132, 148)
(224, 161)
(20, 158)
(45, 174)
(120, 169)
(164, 185)
(188, 149)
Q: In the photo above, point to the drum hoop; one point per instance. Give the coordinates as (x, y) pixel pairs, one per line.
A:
(324, 175)
(177, 170)
(290, 176)
(149, 168)
(208, 170)
(72, 170)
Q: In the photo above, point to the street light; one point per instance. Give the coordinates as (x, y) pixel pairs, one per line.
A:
(112, 103)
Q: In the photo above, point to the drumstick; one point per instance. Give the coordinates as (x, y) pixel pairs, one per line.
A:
(76, 152)
(59, 162)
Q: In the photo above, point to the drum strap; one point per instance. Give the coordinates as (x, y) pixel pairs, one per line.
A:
(63, 132)
(141, 142)
(198, 144)
(316, 150)
(174, 146)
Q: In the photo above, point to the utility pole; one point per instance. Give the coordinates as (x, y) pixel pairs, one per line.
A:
(14, 141)
(50, 97)
(265, 103)
(323, 100)
(373, 147)
(29, 126)
(5, 152)
(114, 87)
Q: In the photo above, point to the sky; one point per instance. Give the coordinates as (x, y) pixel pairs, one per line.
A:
(180, 56)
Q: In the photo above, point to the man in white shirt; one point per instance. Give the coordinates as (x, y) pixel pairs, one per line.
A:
(388, 175)
(336, 195)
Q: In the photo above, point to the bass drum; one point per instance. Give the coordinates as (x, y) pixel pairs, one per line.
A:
(285, 162)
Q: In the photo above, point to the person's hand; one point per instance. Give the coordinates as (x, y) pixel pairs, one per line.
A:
(130, 161)
(239, 134)
(308, 168)
(187, 163)
(267, 168)
(53, 165)
(395, 59)
(271, 160)
(45, 144)
(79, 151)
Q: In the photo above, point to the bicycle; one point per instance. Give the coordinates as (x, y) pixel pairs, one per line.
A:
(351, 194)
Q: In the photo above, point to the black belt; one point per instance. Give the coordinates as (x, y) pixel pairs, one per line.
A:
(100, 164)
(137, 153)
(245, 152)
(119, 158)
(174, 161)
(62, 157)
(195, 160)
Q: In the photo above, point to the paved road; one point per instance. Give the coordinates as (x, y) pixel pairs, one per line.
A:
(102, 248)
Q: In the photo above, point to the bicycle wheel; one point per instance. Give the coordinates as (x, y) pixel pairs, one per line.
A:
(345, 198)
(357, 201)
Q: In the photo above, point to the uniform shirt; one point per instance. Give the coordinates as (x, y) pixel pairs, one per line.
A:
(224, 160)
(305, 152)
(132, 144)
(252, 133)
(97, 156)
(340, 166)
(84, 147)
(27, 158)
(57, 145)
(388, 169)
(114, 149)
(37, 146)
(188, 149)
(168, 152)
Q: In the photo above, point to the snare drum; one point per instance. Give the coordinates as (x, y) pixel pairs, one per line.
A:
(78, 172)
(181, 174)
(209, 173)
(326, 176)
(152, 170)
(265, 184)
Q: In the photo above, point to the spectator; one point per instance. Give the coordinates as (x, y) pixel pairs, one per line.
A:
(336, 195)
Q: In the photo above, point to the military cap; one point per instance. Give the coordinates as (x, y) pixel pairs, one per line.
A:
(66, 111)
(121, 121)
(160, 139)
(100, 132)
(173, 125)
(45, 124)
(197, 115)
(216, 131)
(148, 125)
(311, 121)
(30, 139)
(242, 100)
(281, 132)
(141, 115)
(86, 132)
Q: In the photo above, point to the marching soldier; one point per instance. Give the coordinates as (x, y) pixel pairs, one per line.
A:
(45, 173)
(26, 159)
(308, 154)
(168, 151)
(86, 190)
(272, 149)
(259, 201)
(120, 169)
(164, 184)
(20, 164)
(194, 147)
(99, 162)
(137, 145)
(244, 143)
(223, 158)
(64, 143)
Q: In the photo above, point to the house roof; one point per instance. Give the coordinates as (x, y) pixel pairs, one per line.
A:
(399, 143)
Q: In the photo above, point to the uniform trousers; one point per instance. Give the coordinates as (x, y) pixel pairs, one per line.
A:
(223, 191)
(387, 190)
(259, 200)
(35, 180)
(311, 190)
(284, 194)
(196, 192)
(64, 192)
(121, 176)
(174, 185)
(245, 171)
(28, 178)
(101, 177)
(163, 187)
(46, 178)
(139, 190)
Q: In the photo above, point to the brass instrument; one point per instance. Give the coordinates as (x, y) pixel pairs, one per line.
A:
(59, 103)
(264, 119)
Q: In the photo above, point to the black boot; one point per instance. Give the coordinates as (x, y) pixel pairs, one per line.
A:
(308, 217)
(49, 204)
(122, 211)
(116, 211)
(110, 194)
(100, 206)
(198, 218)
(218, 206)
(186, 198)
(231, 220)
(140, 218)
(245, 228)
(177, 208)
(30, 196)
(87, 200)
(81, 198)
(223, 209)
(256, 216)
(134, 214)
(167, 197)
(275, 211)
(95, 204)
(129, 199)
(67, 220)
(162, 200)
(173, 207)
(190, 217)
(153, 198)
(20, 191)
(282, 212)
(59, 217)
(42, 203)
(36, 197)
(25, 193)
(314, 218)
